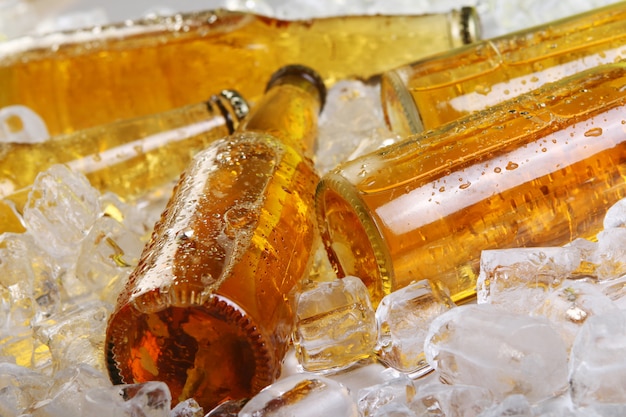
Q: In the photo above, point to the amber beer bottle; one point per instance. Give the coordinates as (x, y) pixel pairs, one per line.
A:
(445, 87)
(539, 170)
(84, 78)
(207, 310)
(130, 157)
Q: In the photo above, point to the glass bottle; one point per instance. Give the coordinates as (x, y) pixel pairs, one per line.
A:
(539, 170)
(437, 90)
(130, 157)
(208, 309)
(94, 76)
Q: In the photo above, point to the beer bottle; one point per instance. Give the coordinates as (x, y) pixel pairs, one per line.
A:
(129, 157)
(436, 90)
(538, 170)
(208, 309)
(88, 77)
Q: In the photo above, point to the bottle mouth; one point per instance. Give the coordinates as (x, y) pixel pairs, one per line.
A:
(212, 353)
(400, 111)
(230, 103)
(470, 29)
(300, 71)
(354, 244)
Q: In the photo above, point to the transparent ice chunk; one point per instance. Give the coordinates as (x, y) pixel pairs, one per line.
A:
(505, 352)
(67, 393)
(148, 399)
(512, 406)
(611, 253)
(302, 396)
(228, 408)
(519, 279)
(76, 336)
(571, 304)
(20, 387)
(351, 124)
(397, 390)
(597, 367)
(106, 257)
(60, 210)
(187, 408)
(457, 400)
(403, 318)
(335, 325)
(616, 215)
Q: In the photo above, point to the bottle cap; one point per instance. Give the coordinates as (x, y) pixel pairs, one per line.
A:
(230, 103)
(303, 72)
(470, 30)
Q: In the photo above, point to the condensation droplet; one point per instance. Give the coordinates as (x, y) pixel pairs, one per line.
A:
(511, 166)
(596, 131)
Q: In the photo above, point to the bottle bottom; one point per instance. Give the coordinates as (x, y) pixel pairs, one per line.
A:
(212, 353)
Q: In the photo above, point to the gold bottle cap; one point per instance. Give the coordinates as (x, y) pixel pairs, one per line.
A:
(303, 72)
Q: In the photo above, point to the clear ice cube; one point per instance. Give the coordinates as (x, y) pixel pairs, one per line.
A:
(597, 367)
(505, 352)
(456, 400)
(403, 318)
(398, 390)
(62, 205)
(571, 304)
(519, 279)
(302, 396)
(335, 325)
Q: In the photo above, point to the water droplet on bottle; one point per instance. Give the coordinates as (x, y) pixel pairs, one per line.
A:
(511, 166)
(597, 131)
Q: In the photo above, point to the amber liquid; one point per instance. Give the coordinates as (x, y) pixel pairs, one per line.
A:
(451, 85)
(538, 171)
(86, 78)
(207, 310)
(130, 158)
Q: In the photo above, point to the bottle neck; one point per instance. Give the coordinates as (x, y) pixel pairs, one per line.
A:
(288, 111)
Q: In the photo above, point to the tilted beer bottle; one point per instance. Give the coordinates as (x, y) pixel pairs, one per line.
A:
(207, 310)
(130, 157)
(437, 90)
(84, 78)
(539, 170)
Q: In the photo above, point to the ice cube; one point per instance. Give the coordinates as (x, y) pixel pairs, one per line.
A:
(519, 279)
(229, 408)
(67, 394)
(570, 305)
(335, 325)
(611, 253)
(107, 255)
(302, 396)
(60, 210)
(394, 410)
(187, 408)
(507, 353)
(515, 405)
(351, 124)
(76, 335)
(597, 366)
(403, 318)
(148, 399)
(457, 400)
(20, 387)
(615, 216)
(399, 390)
